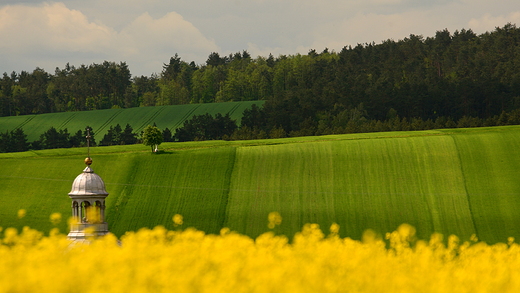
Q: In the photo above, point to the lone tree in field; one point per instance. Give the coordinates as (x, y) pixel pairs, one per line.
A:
(152, 136)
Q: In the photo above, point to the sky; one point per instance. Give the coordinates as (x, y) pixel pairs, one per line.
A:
(147, 33)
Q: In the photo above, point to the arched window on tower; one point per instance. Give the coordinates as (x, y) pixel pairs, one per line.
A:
(85, 207)
(75, 210)
(93, 214)
(99, 212)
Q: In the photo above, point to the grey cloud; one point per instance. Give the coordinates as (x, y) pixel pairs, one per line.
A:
(262, 26)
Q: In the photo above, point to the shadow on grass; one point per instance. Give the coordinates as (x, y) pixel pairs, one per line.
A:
(161, 152)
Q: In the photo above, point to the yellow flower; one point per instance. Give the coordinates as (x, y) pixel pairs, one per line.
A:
(55, 218)
(275, 219)
(93, 215)
(177, 220)
(21, 213)
(334, 229)
(158, 260)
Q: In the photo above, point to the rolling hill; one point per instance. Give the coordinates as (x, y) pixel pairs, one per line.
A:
(452, 181)
(170, 117)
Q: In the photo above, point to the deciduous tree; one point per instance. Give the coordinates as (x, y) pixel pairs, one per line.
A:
(152, 137)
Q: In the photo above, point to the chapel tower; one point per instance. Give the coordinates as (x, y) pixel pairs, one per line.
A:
(88, 196)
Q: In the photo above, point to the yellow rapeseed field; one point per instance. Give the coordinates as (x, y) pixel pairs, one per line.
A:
(159, 260)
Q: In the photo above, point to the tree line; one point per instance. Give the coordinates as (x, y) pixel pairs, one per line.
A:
(222, 127)
(200, 127)
(447, 76)
(16, 140)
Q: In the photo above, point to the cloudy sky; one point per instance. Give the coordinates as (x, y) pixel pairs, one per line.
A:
(146, 33)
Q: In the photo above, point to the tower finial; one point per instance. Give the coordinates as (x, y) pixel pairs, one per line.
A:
(88, 160)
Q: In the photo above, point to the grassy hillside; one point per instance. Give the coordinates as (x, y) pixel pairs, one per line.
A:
(462, 181)
(170, 117)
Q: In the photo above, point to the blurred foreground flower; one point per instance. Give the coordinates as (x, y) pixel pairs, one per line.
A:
(159, 260)
(55, 218)
(275, 219)
(177, 220)
(21, 213)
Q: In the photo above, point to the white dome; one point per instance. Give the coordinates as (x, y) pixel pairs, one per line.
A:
(88, 183)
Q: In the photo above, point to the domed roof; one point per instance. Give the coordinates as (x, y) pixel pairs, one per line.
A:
(88, 183)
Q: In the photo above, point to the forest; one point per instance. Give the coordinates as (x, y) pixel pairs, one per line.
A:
(457, 79)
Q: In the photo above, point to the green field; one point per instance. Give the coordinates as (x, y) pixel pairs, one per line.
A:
(170, 117)
(453, 181)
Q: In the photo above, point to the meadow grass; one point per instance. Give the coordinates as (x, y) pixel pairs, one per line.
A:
(153, 188)
(491, 167)
(460, 182)
(361, 184)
